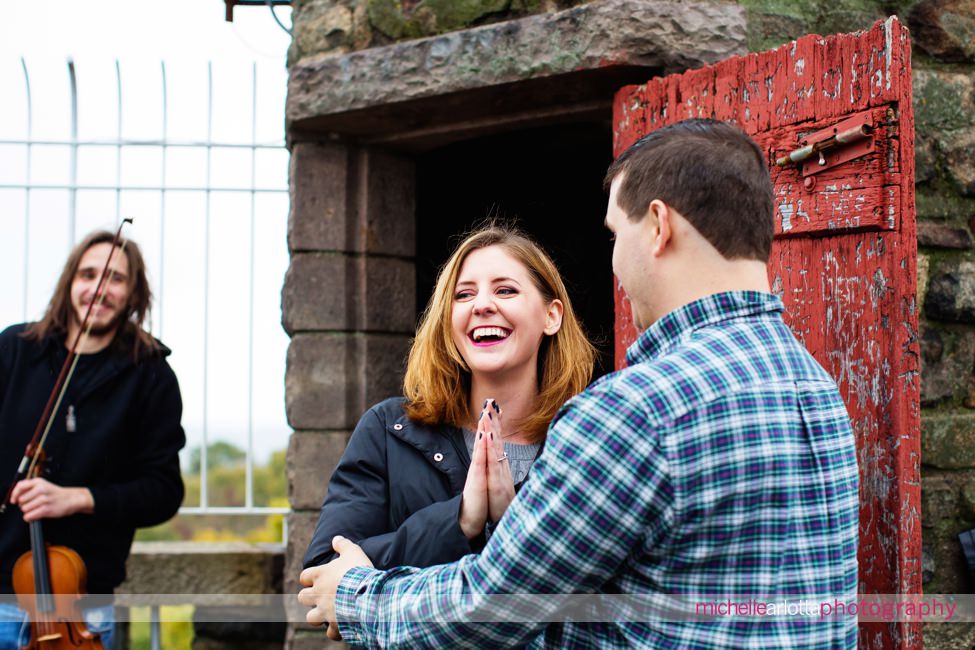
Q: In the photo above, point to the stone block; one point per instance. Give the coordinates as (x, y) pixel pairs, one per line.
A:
(925, 158)
(301, 525)
(945, 29)
(311, 639)
(948, 440)
(227, 629)
(942, 235)
(332, 378)
(959, 153)
(947, 360)
(939, 498)
(938, 636)
(312, 457)
(322, 27)
(923, 270)
(319, 292)
(942, 102)
(928, 566)
(389, 226)
(203, 568)
(321, 204)
(335, 291)
(666, 35)
(397, 20)
(951, 293)
(390, 294)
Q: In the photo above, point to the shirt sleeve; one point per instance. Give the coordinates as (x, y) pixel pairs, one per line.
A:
(598, 492)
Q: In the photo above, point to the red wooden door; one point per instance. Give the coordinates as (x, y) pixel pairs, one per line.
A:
(844, 257)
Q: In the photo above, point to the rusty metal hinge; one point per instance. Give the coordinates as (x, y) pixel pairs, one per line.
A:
(842, 142)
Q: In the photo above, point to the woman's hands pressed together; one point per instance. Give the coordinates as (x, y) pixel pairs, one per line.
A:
(490, 488)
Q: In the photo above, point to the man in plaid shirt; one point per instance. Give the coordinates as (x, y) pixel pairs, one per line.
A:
(717, 469)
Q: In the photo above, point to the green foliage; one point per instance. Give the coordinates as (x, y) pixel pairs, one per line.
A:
(176, 632)
(226, 486)
(219, 454)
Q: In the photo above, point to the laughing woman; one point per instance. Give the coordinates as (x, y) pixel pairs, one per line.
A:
(498, 351)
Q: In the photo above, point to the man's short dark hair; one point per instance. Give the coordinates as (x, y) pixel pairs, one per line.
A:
(709, 171)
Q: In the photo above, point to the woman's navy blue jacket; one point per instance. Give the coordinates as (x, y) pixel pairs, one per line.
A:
(396, 493)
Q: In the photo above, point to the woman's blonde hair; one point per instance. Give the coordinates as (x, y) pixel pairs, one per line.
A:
(438, 380)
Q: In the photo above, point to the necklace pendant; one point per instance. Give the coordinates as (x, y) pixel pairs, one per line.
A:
(70, 423)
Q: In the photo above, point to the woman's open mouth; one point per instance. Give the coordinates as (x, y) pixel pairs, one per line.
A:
(483, 336)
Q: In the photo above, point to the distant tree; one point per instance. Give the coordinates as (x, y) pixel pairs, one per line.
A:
(219, 454)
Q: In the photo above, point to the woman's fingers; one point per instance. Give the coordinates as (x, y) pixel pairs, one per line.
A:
(501, 488)
(474, 502)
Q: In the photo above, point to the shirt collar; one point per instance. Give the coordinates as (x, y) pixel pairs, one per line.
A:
(666, 333)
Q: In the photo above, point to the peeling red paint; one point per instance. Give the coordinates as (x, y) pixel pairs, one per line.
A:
(844, 258)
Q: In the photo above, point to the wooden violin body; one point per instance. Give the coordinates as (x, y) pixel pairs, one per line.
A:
(55, 618)
(48, 581)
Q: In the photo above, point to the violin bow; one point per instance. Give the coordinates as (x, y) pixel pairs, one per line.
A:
(35, 448)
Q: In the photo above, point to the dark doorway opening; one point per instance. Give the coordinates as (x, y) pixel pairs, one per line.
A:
(549, 181)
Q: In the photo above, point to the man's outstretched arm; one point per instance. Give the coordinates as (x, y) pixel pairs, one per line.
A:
(598, 490)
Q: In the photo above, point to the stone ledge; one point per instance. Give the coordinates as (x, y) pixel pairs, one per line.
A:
(616, 41)
(225, 568)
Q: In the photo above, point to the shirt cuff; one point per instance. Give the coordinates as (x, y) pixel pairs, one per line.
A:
(347, 615)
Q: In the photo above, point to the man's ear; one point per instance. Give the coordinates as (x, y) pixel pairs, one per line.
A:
(659, 217)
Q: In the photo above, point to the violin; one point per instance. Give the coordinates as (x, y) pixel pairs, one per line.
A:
(50, 579)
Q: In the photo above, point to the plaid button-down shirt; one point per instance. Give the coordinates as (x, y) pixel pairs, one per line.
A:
(719, 466)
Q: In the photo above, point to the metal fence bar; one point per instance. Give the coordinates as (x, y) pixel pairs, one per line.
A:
(27, 177)
(73, 157)
(118, 149)
(162, 191)
(204, 501)
(137, 188)
(249, 468)
(145, 143)
(233, 510)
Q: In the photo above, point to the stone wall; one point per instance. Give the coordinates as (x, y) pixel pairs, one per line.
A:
(329, 254)
(336, 26)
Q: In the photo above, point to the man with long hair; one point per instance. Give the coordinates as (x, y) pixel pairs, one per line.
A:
(718, 468)
(112, 460)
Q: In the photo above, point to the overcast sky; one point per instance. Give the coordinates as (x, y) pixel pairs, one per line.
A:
(188, 35)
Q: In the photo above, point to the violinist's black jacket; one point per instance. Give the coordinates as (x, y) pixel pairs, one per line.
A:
(117, 432)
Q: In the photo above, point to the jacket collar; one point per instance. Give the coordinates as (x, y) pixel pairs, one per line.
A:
(116, 359)
(443, 446)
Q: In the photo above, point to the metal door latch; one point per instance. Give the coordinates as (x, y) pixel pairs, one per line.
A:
(822, 150)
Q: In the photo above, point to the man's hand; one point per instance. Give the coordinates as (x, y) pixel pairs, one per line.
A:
(41, 499)
(321, 583)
